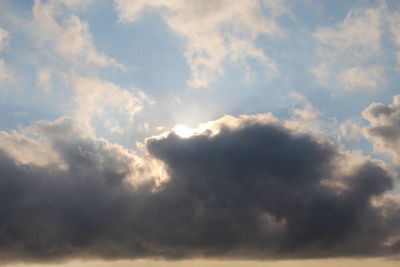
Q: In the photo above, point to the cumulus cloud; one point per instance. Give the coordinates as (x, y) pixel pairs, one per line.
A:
(216, 32)
(349, 52)
(246, 187)
(284, 186)
(384, 127)
(50, 209)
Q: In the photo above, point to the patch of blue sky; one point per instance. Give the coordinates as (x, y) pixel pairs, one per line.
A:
(22, 102)
(149, 50)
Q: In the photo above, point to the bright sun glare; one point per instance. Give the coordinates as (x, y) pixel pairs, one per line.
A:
(183, 131)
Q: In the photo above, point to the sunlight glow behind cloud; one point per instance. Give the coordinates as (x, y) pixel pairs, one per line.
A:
(289, 151)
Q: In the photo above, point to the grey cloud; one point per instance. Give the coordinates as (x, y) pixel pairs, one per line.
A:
(253, 190)
(264, 171)
(48, 212)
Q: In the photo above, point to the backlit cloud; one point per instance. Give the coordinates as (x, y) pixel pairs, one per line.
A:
(106, 155)
(100, 99)
(246, 187)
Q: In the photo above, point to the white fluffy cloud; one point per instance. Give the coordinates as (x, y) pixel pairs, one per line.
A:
(216, 32)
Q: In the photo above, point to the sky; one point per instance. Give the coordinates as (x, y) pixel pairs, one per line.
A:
(199, 133)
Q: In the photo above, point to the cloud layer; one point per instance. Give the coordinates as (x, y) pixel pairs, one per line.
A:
(248, 187)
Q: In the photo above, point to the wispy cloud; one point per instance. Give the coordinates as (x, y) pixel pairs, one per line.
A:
(217, 32)
(362, 78)
(99, 99)
(69, 38)
(349, 51)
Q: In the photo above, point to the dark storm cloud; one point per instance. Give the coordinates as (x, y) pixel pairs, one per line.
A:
(255, 190)
(265, 189)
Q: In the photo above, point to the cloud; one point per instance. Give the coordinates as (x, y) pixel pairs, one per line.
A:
(277, 8)
(66, 35)
(358, 36)
(216, 32)
(350, 130)
(52, 210)
(99, 99)
(303, 109)
(246, 187)
(3, 39)
(384, 127)
(283, 192)
(349, 52)
(70, 61)
(26, 150)
(359, 78)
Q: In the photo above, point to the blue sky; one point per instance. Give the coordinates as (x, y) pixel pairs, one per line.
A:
(129, 71)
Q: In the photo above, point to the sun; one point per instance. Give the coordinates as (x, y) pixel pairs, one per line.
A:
(183, 131)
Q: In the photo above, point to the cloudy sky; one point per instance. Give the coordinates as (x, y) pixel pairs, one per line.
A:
(199, 133)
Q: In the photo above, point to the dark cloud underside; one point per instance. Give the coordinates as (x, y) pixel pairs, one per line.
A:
(256, 190)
